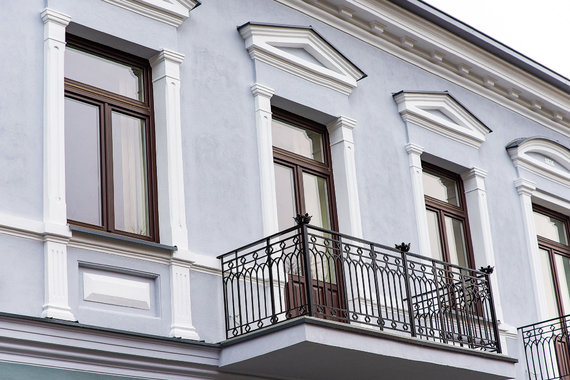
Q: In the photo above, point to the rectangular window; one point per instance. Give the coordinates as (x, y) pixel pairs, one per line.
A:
(553, 230)
(447, 216)
(109, 141)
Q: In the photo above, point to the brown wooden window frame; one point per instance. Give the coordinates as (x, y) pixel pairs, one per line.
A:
(300, 164)
(443, 209)
(554, 248)
(107, 102)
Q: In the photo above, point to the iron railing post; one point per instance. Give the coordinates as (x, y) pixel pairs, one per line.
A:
(303, 221)
(487, 271)
(268, 251)
(404, 248)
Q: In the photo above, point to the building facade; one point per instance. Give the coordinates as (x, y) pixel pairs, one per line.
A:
(143, 142)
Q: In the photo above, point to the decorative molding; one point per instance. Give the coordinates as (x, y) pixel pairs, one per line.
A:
(168, 132)
(171, 12)
(442, 114)
(344, 169)
(525, 187)
(480, 228)
(55, 277)
(542, 157)
(262, 98)
(416, 174)
(318, 61)
(441, 53)
(55, 230)
(181, 308)
(108, 288)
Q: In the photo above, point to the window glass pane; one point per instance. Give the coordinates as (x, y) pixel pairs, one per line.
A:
(440, 187)
(434, 237)
(285, 191)
(563, 274)
(317, 205)
(550, 295)
(103, 73)
(130, 174)
(82, 162)
(550, 228)
(297, 140)
(316, 200)
(456, 242)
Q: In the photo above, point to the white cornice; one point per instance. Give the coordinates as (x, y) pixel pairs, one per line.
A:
(329, 68)
(415, 40)
(544, 158)
(440, 113)
(171, 12)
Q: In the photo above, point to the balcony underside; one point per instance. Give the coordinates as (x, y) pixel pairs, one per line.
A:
(313, 349)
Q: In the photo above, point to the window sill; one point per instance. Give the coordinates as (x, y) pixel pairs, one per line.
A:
(89, 238)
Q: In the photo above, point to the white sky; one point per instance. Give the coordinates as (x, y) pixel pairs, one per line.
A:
(539, 29)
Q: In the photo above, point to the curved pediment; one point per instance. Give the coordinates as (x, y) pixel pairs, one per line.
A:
(439, 112)
(542, 156)
(303, 52)
(171, 12)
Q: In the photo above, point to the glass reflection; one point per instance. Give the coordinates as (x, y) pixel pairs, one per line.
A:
(440, 187)
(82, 162)
(550, 228)
(434, 237)
(285, 193)
(297, 140)
(456, 242)
(563, 274)
(129, 174)
(550, 295)
(103, 73)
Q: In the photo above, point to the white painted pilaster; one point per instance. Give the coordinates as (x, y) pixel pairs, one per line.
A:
(526, 189)
(344, 169)
(262, 96)
(416, 172)
(56, 231)
(168, 132)
(482, 239)
(170, 173)
(180, 297)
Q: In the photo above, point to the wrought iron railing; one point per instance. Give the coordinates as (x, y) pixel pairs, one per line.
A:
(307, 270)
(546, 346)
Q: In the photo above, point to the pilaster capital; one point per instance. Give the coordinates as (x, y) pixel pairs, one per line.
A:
(474, 179)
(50, 15)
(261, 90)
(340, 130)
(414, 149)
(166, 64)
(524, 186)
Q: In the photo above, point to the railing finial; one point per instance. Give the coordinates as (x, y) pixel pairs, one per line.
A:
(487, 270)
(302, 219)
(403, 247)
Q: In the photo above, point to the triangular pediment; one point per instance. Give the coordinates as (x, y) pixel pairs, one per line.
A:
(542, 156)
(172, 12)
(439, 112)
(303, 52)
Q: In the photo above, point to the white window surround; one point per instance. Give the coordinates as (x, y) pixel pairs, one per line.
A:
(322, 63)
(479, 223)
(343, 163)
(171, 12)
(555, 162)
(171, 202)
(530, 192)
(439, 112)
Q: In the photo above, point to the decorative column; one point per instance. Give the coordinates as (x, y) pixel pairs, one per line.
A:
(344, 169)
(170, 173)
(525, 189)
(56, 231)
(262, 96)
(416, 172)
(482, 240)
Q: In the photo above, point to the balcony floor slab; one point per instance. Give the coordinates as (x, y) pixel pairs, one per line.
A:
(311, 348)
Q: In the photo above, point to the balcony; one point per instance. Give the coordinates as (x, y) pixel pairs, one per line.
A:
(316, 295)
(547, 350)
